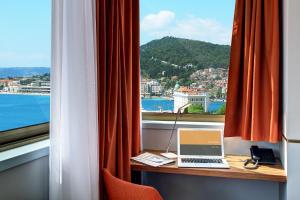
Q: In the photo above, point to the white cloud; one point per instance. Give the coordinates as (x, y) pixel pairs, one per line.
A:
(203, 29)
(193, 28)
(157, 21)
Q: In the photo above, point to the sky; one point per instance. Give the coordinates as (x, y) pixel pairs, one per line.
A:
(25, 33)
(205, 20)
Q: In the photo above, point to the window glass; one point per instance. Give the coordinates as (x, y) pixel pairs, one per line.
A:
(25, 38)
(185, 47)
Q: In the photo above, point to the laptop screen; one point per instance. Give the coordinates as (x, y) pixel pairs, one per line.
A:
(200, 142)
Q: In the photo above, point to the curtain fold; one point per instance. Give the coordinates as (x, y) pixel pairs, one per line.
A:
(117, 23)
(74, 165)
(253, 109)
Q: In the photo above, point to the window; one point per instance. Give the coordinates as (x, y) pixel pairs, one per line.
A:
(185, 48)
(25, 53)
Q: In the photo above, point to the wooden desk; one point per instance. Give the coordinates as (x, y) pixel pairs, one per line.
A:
(267, 173)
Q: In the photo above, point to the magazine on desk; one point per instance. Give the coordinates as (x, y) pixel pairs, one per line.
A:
(152, 159)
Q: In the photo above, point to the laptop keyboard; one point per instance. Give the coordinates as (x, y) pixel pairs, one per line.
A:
(200, 160)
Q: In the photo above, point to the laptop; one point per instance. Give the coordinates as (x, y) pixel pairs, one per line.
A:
(200, 148)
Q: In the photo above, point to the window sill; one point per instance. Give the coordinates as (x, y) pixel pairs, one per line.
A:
(168, 125)
(18, 156)
(11, 139)
(157, 116)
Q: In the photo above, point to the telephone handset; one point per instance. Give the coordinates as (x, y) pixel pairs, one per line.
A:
(260, 156)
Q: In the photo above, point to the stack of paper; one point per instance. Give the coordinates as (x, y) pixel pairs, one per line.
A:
(152, 159)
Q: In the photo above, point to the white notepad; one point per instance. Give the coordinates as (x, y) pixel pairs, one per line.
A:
(152, 159)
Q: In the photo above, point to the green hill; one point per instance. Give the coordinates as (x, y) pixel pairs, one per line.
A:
(172, 56)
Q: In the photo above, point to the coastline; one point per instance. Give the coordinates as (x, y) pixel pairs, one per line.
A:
(158, 98)
(20, 93)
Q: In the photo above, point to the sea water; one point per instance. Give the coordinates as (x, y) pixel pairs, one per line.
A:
(23, 110)
(17, 110)
(166, 105)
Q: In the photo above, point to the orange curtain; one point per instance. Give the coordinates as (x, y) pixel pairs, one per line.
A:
(253, 109)
(117, 29)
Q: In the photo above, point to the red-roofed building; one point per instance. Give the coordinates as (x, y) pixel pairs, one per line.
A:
(184, 95)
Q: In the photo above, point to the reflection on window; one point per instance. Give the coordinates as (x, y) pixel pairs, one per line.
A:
(185, 55)
(25, 39)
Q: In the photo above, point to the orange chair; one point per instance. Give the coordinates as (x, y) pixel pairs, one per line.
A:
(118, 189)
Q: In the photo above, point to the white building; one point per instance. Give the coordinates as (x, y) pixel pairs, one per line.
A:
(186, 95)
(156, 89)
(144, 88)
(40, 84)
(12, 89)
(151, 87)
(33, 89)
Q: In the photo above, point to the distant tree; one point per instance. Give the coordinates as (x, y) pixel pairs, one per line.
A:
(219, 93)
(210, 86)
(185, 82)
(186, 111)
(221, 110)
(26, 81)
(218, 78)
(180, 52)
(195, 108)
(170, 84)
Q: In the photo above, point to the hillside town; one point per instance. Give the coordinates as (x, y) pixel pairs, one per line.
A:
(207, 85)
(39, 84)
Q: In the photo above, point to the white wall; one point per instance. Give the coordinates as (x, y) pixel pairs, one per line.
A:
(28, 181)
(291, 66)
(156, 136)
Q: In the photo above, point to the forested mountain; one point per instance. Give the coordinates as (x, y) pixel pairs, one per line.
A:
(172, 56)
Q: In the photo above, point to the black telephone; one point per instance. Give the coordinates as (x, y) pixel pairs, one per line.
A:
(260, 156)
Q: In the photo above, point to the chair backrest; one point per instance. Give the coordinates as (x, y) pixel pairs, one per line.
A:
(118, 189)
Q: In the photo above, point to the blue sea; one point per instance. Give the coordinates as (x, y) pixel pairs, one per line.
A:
(25, 110)
(157, 104)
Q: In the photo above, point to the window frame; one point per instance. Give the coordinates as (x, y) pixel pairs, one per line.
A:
(156, 116)
(17, 137)
(185, 117)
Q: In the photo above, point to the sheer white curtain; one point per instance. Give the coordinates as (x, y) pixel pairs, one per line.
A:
(73, 124)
